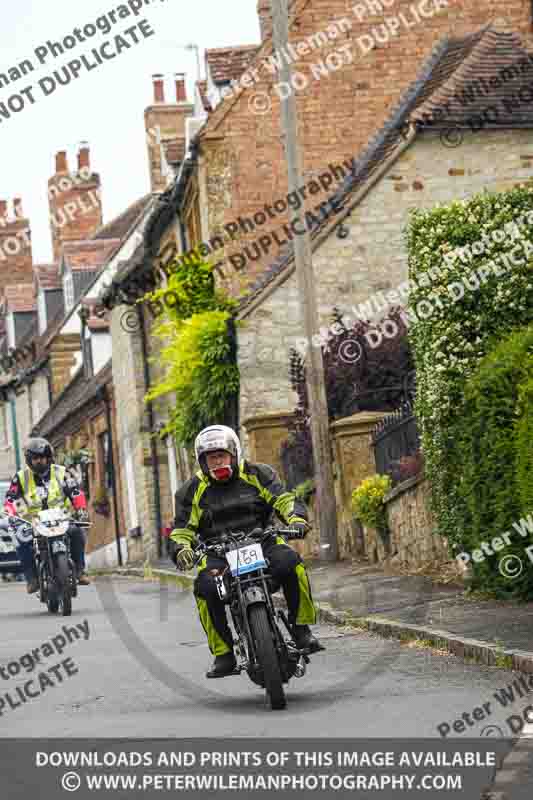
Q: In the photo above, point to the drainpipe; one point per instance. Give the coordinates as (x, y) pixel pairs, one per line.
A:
(16, 444)
(153, 444)
(105, 397)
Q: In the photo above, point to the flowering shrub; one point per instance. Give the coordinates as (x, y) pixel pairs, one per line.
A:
(496, 297)
(367, 501)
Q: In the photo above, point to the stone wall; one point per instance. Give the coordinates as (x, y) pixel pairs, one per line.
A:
(413, 543)
(373, 256)
(413, 540)
(134, 441)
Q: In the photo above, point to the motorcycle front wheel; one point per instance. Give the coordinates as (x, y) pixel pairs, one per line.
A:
(62, 584)
(267, 656)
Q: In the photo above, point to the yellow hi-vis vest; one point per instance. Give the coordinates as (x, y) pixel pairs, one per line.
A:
(34, 502)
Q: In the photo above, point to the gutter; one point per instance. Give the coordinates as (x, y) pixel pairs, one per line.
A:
(153, 445)
(105, 397)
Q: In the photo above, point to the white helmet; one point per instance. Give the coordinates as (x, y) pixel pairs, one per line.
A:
(217, 437)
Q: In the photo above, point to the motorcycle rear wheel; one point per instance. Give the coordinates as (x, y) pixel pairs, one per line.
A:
(267, 656)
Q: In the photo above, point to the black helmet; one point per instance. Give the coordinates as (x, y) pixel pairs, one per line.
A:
(39, 447)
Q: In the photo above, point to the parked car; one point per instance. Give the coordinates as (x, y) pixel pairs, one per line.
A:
(9, 563)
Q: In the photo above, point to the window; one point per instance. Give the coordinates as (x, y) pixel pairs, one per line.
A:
(41, 311)
(68, 290)
(105, 463)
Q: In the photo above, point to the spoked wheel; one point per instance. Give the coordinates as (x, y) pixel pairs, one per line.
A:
(63, 585)
(267, 656)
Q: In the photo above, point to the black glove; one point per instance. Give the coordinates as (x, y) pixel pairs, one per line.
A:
(299, 530)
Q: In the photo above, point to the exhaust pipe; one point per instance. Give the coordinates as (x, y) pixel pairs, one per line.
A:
(300, 668)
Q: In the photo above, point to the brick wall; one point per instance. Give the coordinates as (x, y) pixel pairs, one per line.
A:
(16, 264)
(245, 164)
(373, 255)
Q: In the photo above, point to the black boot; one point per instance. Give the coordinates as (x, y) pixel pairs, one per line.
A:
(32, 586)
(305, 640)
(222, 666)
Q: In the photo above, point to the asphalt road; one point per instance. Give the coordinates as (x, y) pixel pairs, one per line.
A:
(140, 673)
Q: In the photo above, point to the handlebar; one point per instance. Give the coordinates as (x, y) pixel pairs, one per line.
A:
(228, 540)
(27, 522)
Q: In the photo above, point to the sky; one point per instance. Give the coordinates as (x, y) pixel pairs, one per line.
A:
(104, 106)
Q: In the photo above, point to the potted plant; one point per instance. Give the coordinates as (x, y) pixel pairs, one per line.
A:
(368, 506)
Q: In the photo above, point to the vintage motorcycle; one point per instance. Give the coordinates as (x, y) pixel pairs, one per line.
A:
(55, 569)
(246, 586)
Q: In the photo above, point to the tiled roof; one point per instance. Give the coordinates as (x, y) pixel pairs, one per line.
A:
(228, 63)
(447, 73)
(79, 392)
(202, 91)
(47, 276)
(90, 254)
(19, 297)
(120, 226)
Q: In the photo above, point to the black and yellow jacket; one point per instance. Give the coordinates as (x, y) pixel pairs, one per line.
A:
(205, 509)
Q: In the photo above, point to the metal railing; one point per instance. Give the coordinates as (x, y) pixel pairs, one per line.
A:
(396, 441)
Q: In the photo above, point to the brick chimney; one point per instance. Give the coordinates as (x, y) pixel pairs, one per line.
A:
(181, 89)
(164, 123)
(74, 200)
(159, 88)
(84, 157)
(16, 261)
(264, 12)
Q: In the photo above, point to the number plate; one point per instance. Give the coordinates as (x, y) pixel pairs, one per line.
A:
(246, 559)
(59, 547)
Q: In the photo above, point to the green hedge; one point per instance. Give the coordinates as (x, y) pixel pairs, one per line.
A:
(524, 446)
(451, 334)
(492, 453)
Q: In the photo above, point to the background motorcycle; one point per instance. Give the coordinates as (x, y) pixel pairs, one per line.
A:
(55, 569)
(246, 586)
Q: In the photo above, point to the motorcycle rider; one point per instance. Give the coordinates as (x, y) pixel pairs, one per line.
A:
(229, 493)
(41, 486)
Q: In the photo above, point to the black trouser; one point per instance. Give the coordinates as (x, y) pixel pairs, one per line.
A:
(287, 570)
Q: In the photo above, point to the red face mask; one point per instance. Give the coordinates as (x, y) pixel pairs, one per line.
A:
(221, 473)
